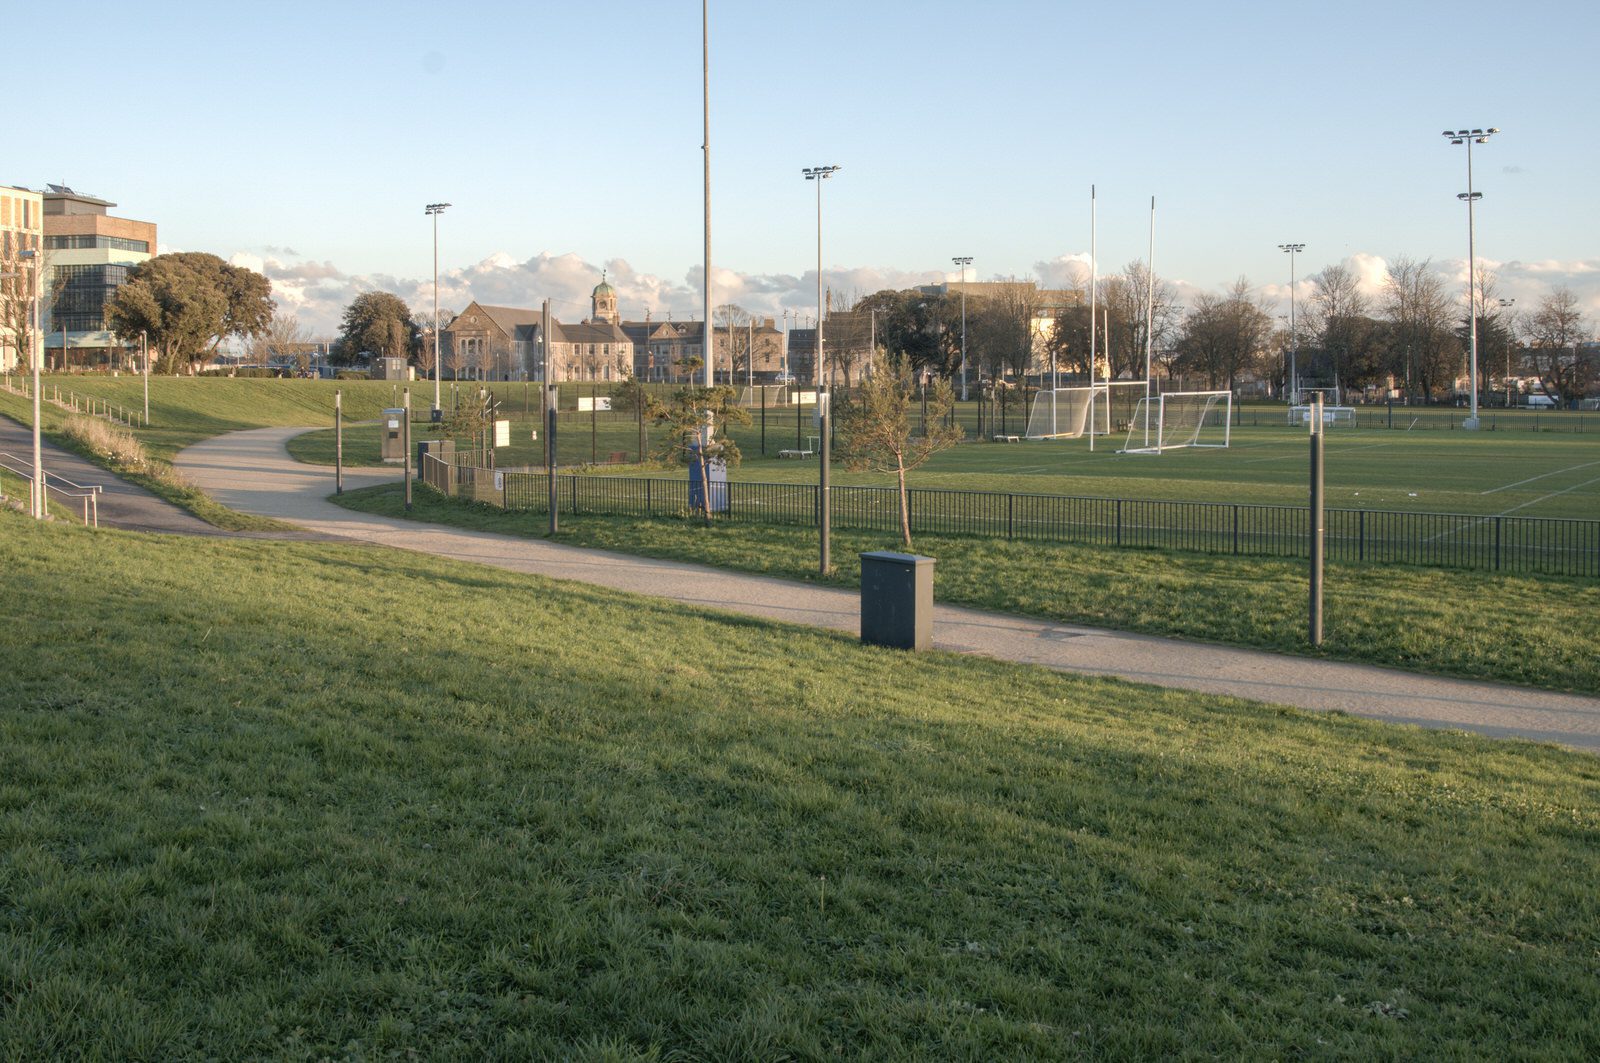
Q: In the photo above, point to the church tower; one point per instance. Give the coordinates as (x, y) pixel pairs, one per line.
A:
(604, 302)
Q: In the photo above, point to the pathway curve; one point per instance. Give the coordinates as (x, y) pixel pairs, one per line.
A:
(251, 471)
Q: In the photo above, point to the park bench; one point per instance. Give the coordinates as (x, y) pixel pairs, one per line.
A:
(1007, 439)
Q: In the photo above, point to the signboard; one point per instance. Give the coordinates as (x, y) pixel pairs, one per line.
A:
(502, 433)
(499, 481)
(593, 402)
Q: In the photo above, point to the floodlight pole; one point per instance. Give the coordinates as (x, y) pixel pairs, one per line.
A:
(144, 349)
(1317, 522)
(1470, 137)
(820, 174)
(1150, 300)
(963, 261)
(1505, 304)
(1294, 374)
(705, 102)
(436, 209)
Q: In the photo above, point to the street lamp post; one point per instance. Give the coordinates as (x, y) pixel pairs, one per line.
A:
(1470, 137)
(36, 503)
(1294, 374)
(963, 261)
(1505, 304)
(434, 210)
(820, 174)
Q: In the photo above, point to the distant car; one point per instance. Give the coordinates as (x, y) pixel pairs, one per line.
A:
(784, 377)
(1540, 402)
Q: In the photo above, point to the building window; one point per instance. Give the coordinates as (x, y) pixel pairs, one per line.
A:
(87, 240)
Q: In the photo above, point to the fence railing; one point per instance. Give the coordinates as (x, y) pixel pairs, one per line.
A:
(84, 497)
(1552, 546)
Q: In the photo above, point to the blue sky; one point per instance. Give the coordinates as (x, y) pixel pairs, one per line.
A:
(306, 138)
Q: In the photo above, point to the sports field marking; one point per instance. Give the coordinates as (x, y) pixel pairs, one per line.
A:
(1302, 457)
(1552, 494)
(1541, 476)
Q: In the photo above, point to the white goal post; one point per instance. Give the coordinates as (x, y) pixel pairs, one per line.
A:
(1332, 416)
(775, 394)
(1177, 419)
(1088, 409)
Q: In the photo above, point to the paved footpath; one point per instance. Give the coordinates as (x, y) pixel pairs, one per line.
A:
(250, 471)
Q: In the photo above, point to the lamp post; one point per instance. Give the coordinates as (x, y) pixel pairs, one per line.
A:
(820, 174)
(963, 261)
(36, 504)
(433, 210)
(1470, 137)
(1505, 304)
(1294, 375)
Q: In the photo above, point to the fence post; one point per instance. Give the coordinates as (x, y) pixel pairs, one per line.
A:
(1011, 502)
(1497, 521)
(1119, 522)
(1361, 535)
(648, 509)
(1236, 528)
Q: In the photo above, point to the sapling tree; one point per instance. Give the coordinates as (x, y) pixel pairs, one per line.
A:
(686, 416)
(875, 429)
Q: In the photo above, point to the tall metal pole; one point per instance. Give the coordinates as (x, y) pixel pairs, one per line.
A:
(1469, 137)
(1150, 298)
(37, 506)
(552, 400)
(436, 209)
(963, 261)
(144, 348)
(405, 445)
(824, 510)
(1094, 285)
(1294, 344)
(705, 99)
(1317, 521)
(338, 441)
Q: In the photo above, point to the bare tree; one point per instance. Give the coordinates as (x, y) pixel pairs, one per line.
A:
(1123, 296)
(1420, 314)
(1225, 336)
(1340, 326)
(428, 329)
(731, 342)
(1557, 328)
(283, 342)
(1003, 323)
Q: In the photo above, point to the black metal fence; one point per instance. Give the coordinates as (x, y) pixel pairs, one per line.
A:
(1543, 545)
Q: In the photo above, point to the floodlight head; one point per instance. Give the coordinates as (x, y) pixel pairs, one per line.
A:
(1494, 129)
(435, 208)
(1469, 196)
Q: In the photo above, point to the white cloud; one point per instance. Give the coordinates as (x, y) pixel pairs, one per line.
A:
(317, 292)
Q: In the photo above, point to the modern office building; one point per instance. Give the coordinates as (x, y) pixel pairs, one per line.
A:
(21, 229)
(88, 254)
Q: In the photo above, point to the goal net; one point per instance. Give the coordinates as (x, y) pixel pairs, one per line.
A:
(1180, 419)
(773, 394)
(1332, 416)
(1095, 410)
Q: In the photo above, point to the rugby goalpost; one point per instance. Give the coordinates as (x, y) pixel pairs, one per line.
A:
(1176, 419)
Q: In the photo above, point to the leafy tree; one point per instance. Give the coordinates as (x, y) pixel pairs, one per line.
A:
(685, 416)
(187, 303)
(379, 324)
(875, 428)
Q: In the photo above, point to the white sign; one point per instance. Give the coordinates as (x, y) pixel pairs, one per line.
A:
(394, 424)
(499, 481)
(596, 402)
(502, 433)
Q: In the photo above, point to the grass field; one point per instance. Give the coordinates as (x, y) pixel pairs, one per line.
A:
(1534, 630)
(583, 825)
(1537, 475)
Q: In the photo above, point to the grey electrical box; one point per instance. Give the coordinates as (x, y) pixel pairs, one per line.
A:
(897, 600)
(394, 442)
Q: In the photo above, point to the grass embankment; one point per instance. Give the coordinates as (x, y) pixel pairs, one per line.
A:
(1538, 631)
(239, 819)
(186, 410)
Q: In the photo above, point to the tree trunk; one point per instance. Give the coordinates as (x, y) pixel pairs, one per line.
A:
(905, 502)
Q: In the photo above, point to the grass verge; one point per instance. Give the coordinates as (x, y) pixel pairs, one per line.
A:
(1534, 631)
(554, 821)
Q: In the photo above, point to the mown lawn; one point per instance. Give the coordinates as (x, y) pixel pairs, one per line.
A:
(321, 801)
(1534, 630)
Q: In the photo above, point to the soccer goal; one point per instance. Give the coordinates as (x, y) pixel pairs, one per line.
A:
(1180, 419)
(1089, 409)
(1332, 416)
(773, 394)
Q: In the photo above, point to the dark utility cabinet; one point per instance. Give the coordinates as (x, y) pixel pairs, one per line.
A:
(443, 449)
(897, 600)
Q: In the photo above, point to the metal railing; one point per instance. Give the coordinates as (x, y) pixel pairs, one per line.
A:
(87, 495)
(1542, 545)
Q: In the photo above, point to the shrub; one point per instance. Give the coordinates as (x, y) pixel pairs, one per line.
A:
(116, 445)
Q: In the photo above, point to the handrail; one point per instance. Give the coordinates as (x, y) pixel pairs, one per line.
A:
(90, 493)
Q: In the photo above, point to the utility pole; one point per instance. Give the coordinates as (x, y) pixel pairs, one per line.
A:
(1470, 137)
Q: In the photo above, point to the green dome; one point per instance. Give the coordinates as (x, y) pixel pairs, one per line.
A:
(603, 288)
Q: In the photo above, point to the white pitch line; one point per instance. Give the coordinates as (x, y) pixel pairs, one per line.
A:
(1553, 494)
(1541, 476)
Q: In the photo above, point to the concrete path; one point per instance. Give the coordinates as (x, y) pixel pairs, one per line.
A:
(121, 505)
(250, 471)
